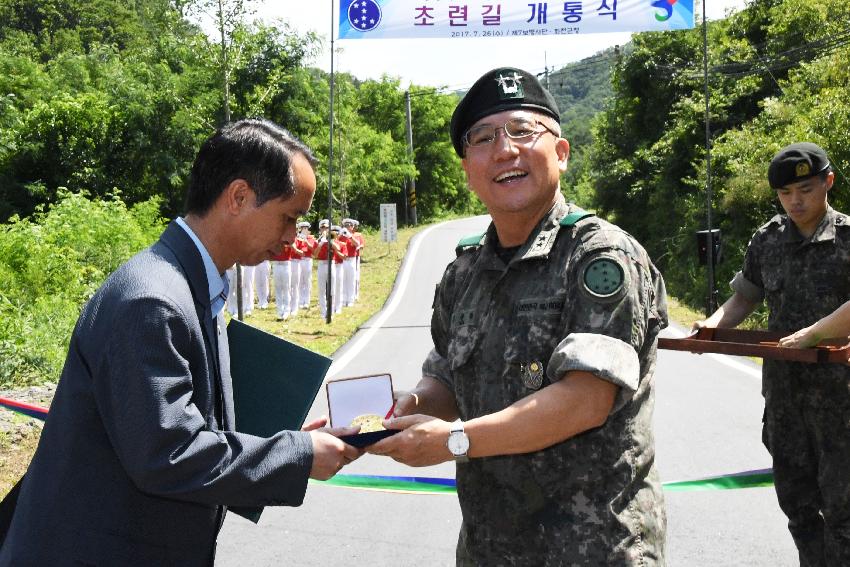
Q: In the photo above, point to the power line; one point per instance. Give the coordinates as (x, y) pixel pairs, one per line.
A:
(766, 62)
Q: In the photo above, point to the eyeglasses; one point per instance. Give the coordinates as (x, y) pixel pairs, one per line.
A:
(515, 128)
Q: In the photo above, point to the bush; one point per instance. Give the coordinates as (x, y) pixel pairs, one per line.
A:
(51, 264)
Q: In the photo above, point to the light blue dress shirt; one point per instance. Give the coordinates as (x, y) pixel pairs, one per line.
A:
(218, 284)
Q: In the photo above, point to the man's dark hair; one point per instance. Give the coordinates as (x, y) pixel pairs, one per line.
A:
(258, 151)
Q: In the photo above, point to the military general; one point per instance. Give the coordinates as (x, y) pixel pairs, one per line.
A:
(798, 263)
(540, 382)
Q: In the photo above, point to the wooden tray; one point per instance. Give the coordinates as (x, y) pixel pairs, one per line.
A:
(763, 344)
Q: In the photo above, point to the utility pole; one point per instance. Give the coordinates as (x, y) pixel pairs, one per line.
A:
(711, 305)
(240, 309)
(412, 180)
(329, 293)
(343, 202)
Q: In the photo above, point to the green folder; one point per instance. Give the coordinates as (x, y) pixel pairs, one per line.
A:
(274, 384)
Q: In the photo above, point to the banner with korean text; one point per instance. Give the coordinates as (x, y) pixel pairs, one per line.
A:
(385, 19)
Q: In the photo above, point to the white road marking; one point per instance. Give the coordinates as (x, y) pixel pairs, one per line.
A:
(361, 340)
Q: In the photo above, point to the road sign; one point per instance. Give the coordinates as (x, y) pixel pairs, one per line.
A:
(389, 223)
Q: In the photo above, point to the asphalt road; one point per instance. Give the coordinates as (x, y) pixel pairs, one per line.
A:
(707, 422)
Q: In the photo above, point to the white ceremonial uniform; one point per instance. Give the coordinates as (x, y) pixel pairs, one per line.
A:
(261, 283)
(305, 278)
(294, 284)
(248, 289)
(247, 301)
(282, 275)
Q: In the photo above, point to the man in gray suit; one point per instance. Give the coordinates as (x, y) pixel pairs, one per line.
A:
(139, 458)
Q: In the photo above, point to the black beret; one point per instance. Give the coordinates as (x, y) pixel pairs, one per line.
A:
(795, 163)
(506, 88)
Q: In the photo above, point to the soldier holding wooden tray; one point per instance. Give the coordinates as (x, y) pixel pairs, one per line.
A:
(798, 263)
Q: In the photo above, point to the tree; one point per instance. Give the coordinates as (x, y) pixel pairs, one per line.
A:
(228, 17)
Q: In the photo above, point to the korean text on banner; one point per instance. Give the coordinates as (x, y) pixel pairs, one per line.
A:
(480, 19)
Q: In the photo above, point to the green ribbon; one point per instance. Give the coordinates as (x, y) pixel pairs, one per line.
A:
(420, 485)
(429, 485)
(749, 479)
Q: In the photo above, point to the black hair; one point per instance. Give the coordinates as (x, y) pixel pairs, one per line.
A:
(256, 150)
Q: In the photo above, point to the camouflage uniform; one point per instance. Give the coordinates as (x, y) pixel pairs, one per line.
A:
(502, 332)
(807, 406)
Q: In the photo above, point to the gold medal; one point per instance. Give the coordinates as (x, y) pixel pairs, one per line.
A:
(368, 422)
(532, 374)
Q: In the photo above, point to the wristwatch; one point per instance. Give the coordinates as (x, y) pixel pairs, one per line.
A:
(458, 442)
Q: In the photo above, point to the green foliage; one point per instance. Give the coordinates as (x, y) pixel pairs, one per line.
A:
(125, 106)
(371, 162)
(776, 78)
(99, 94)
(50, 265)
(581, 90)
(103, 94)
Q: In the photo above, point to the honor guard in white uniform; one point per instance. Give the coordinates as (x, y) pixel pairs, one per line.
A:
(282, 273)
(307, 243)
(361, 241)
(247, 291)
(339, 253)
(321, 255)
(349, 268)
(295, 255)
(261, 283)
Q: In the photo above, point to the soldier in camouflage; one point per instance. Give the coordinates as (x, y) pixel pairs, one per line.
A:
(541, 375)
(798, 263)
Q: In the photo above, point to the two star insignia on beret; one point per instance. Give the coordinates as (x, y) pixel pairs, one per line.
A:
(510, 87)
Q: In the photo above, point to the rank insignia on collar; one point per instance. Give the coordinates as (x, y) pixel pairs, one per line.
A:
(532, 374)
(510, 87)
(802, 169)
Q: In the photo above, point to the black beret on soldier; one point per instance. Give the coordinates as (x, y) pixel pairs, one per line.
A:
(506, 88)
(795, 163)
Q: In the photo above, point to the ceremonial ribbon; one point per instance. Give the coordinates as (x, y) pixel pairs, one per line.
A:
(430, 485)
(23, 408)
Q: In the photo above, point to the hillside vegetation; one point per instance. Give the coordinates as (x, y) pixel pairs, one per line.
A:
(778, 74)
(103, 104)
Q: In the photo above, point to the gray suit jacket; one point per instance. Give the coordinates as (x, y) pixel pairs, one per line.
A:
(138, 457)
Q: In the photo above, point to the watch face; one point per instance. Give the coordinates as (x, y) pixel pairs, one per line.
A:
(458, 443)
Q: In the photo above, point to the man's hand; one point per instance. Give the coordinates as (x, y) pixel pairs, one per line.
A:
(801, 339)
(422, 441)
(330, 454)
(406, 403)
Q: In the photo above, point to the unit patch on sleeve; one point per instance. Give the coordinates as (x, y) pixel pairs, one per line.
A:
(604, 278)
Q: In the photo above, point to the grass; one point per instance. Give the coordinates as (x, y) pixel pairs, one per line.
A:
(682, 314)
(16, 450)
